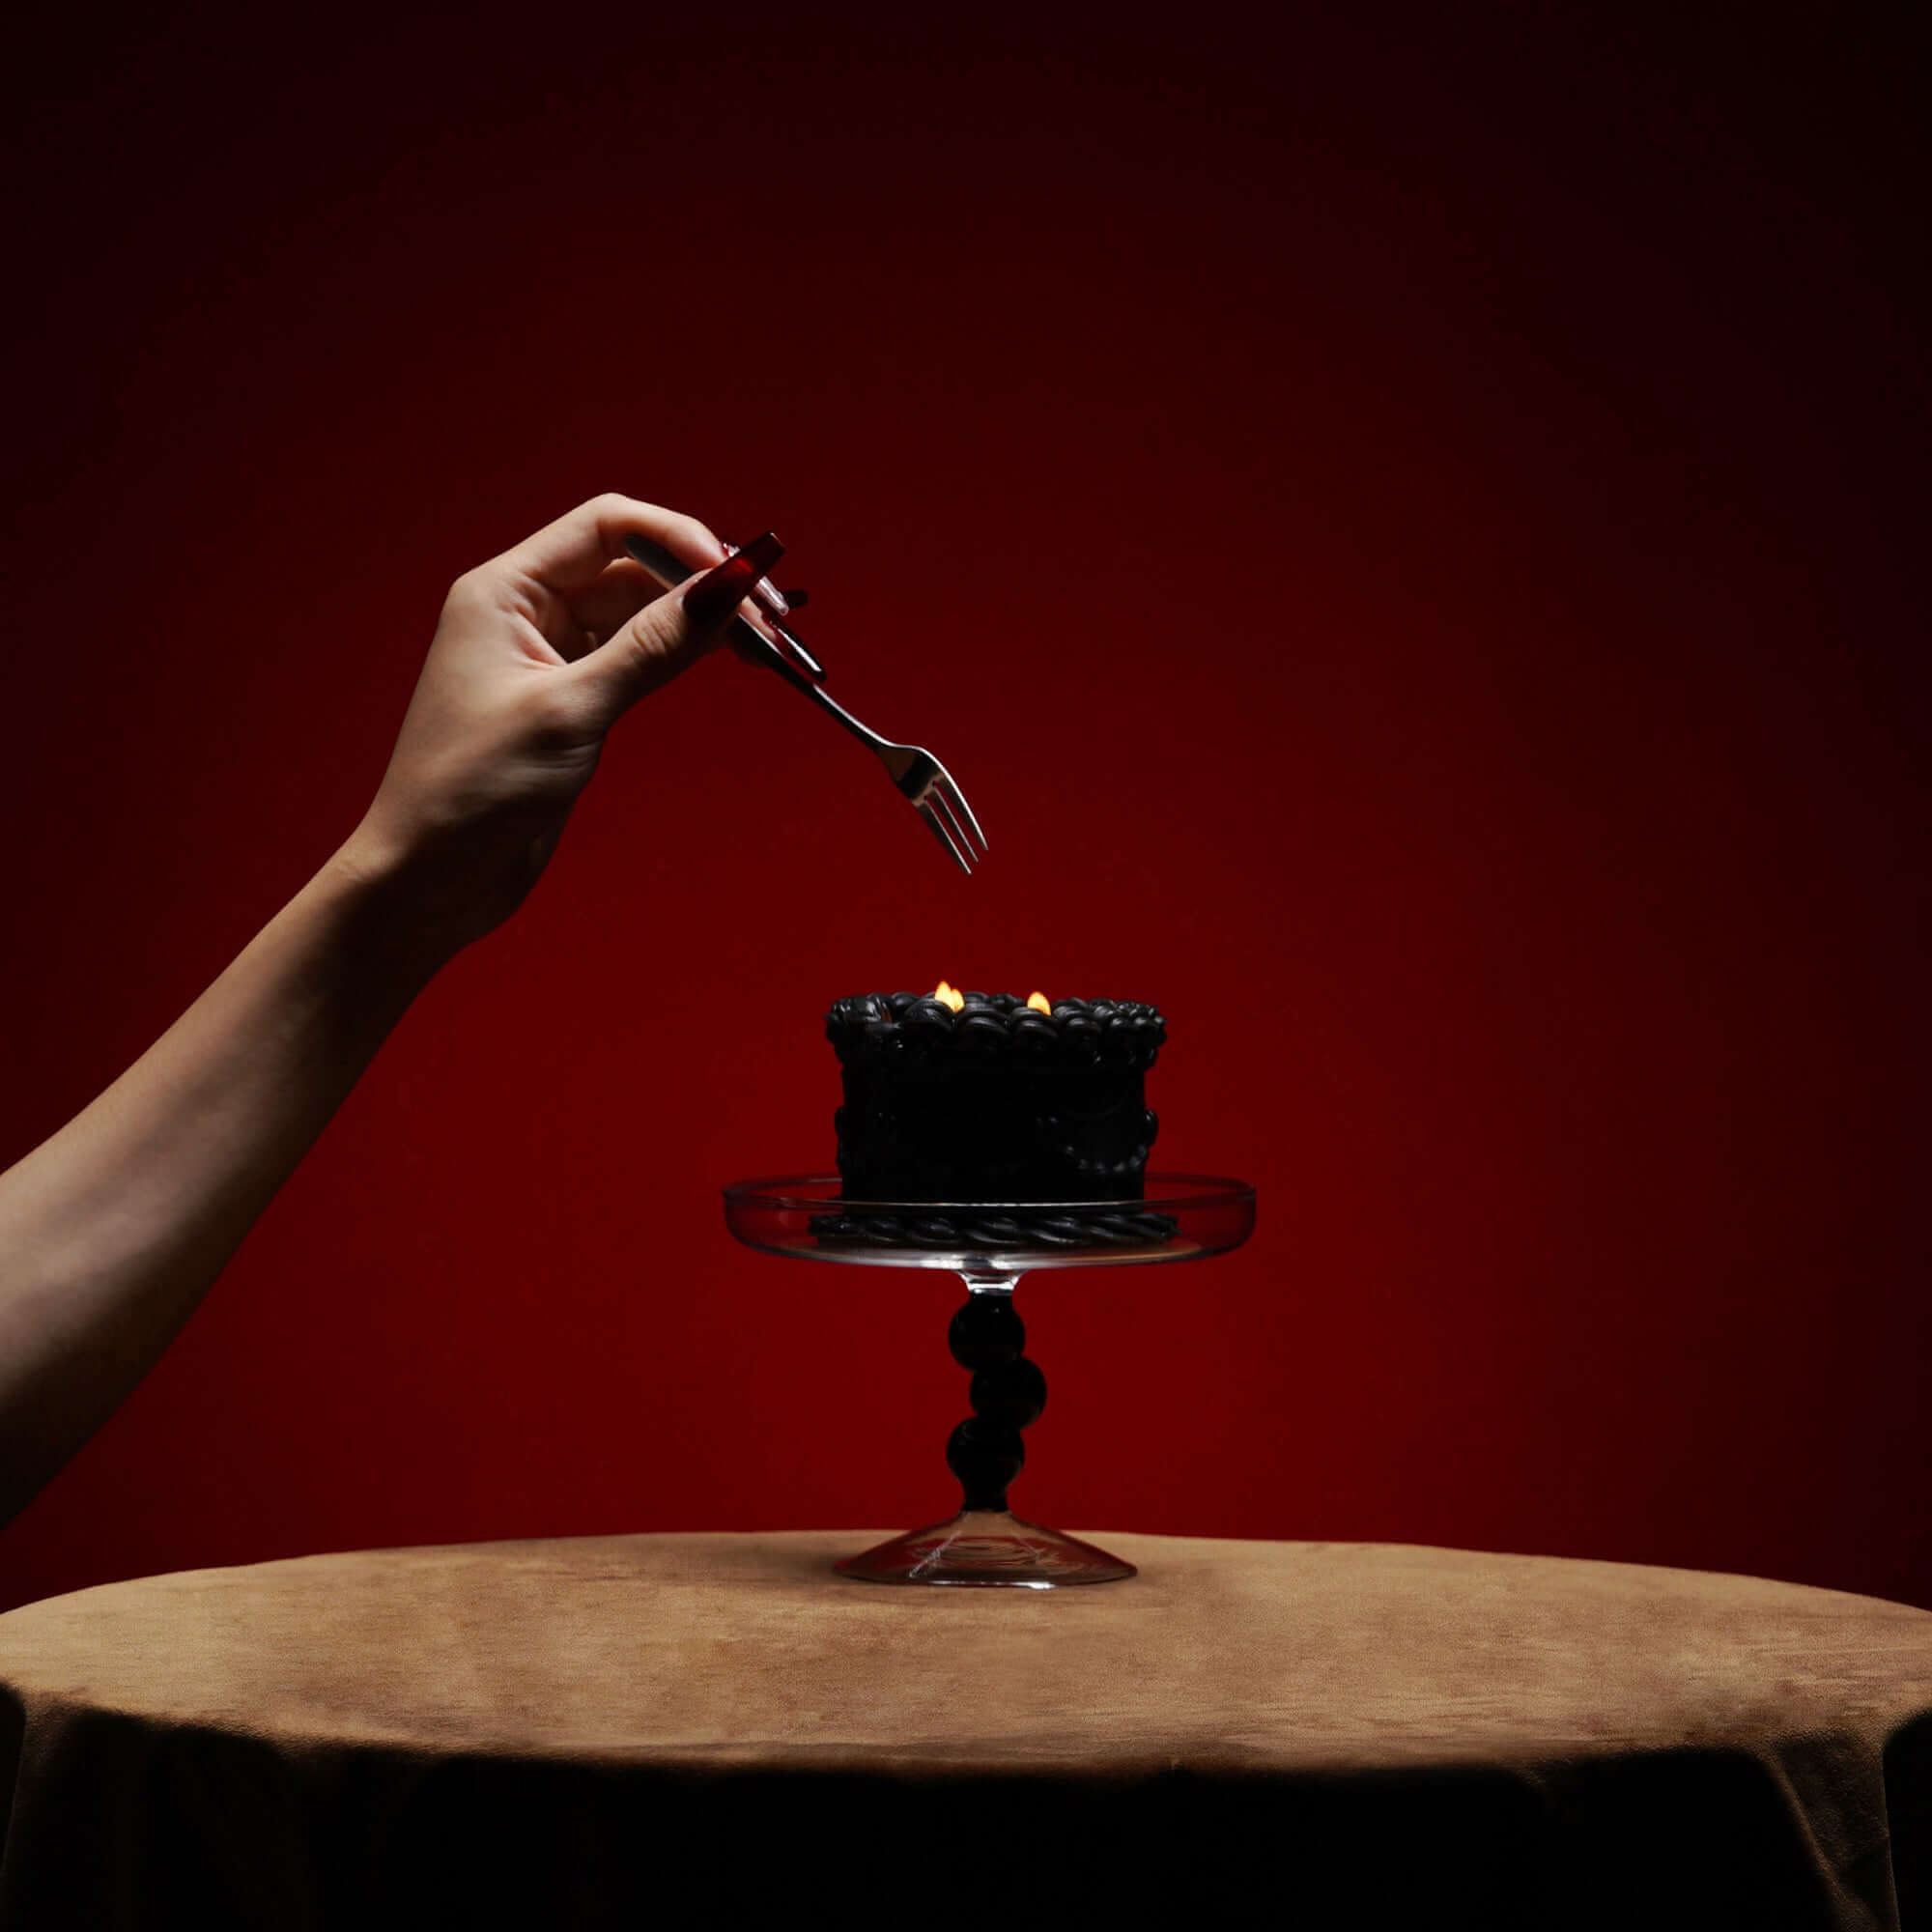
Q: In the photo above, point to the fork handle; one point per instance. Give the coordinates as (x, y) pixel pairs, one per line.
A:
(797, 679)
(870, 739)
(672, 571)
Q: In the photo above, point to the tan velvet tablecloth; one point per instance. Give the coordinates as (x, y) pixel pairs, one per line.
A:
(614, 1730)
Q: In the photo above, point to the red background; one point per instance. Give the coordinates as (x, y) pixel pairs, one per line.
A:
(1408, 535)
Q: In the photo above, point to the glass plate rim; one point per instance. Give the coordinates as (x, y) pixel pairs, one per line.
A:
(774, 1192)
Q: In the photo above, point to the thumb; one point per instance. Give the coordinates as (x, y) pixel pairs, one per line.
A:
(674, 631)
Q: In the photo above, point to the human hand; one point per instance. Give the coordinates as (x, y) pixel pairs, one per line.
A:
(538, 653)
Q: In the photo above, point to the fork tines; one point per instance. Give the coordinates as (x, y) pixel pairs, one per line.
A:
(944, 807)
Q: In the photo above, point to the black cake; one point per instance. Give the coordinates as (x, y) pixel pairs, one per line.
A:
(993, 1101)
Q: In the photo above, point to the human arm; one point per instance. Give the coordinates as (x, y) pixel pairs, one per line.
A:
(113, 1229)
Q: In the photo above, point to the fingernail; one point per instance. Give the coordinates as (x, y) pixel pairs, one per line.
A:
(711, 598)
(763, 551)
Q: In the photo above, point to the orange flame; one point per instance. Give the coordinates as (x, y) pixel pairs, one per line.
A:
(1037, 1001)
(947, 997)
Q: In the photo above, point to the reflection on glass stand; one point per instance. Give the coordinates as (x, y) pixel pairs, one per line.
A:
(1184, 1217)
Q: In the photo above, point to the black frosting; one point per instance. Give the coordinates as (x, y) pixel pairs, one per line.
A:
(886, 1028)
(996, 1231)
(998, 1102)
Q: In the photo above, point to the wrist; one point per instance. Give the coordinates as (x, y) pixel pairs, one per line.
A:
(387, 912)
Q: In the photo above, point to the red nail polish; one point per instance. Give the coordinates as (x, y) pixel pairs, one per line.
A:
(710, 599)
(764, 551)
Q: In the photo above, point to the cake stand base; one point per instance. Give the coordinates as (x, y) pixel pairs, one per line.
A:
(986, 1548)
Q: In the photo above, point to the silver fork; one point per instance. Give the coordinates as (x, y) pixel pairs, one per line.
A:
(917, 773)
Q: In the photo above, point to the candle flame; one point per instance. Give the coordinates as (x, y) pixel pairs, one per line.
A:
(949, 995)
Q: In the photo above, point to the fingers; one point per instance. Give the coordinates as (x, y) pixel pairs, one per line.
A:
(570, 555)
(672, 631)
(582, 621)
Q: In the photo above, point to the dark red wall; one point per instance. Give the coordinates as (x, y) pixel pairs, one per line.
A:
(1410, 536)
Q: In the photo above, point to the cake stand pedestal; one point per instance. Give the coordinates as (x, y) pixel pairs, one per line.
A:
(990, 1247)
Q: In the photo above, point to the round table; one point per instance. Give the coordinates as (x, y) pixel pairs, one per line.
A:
(588, 1731)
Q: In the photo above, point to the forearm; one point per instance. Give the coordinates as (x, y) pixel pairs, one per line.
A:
(112, 1231)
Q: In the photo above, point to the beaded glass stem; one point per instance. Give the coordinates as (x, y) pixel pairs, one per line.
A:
(990, 1246)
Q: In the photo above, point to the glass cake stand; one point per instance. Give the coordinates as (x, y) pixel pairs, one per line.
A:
(1184, 1217)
